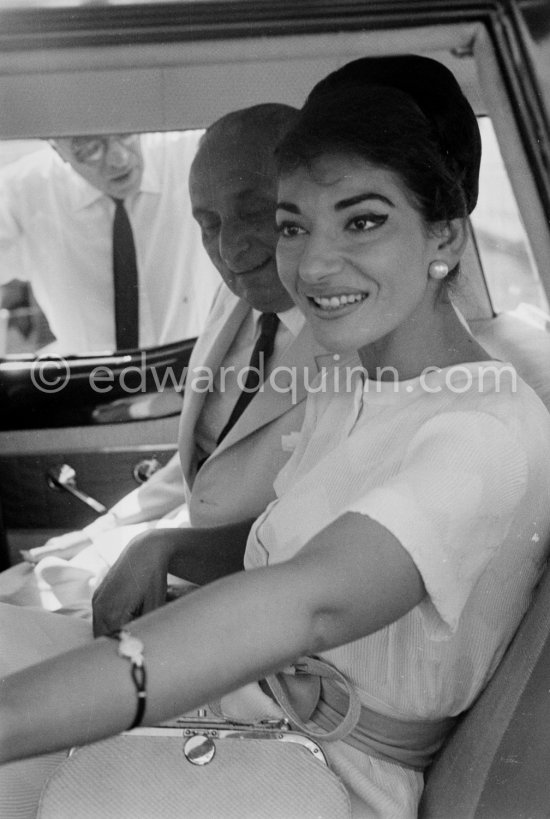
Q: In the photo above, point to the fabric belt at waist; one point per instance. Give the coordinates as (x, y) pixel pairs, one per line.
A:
(411, 744)
(336, 713)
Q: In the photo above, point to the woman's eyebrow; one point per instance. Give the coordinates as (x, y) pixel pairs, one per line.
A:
(362, 197)
(343, 203)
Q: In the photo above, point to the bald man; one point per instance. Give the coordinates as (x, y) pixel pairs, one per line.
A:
(214, 480)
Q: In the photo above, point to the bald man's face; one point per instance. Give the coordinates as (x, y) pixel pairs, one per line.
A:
(233, 195)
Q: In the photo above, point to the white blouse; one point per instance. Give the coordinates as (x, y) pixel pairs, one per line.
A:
(455, 465)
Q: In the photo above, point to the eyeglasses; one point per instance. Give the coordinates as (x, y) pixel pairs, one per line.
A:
(92, 150)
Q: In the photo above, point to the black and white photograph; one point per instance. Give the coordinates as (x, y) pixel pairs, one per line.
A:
(274, 277)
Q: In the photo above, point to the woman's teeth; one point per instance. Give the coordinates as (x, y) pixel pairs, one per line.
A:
(334, 302)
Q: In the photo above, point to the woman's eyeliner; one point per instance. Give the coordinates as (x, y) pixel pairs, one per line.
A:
(373, 219)
(358, 224)
(286, 226)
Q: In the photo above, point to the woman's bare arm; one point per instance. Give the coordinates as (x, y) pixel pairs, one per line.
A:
(349, 581)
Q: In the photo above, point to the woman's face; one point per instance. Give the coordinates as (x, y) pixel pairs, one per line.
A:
(354, 253)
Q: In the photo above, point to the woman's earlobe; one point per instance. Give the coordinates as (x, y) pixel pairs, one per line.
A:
(438, 269)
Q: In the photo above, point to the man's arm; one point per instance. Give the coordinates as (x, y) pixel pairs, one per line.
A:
(18, 181)
(136, 584)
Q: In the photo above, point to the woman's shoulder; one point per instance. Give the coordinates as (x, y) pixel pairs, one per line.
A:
(488, 401)
(498, 388)
(490, 385)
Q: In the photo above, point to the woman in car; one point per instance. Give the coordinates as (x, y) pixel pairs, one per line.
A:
(412, 520)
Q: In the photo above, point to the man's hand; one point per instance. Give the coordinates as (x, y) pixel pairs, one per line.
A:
(135, 584)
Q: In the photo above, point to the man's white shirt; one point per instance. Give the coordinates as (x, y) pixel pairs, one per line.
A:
(56, 233)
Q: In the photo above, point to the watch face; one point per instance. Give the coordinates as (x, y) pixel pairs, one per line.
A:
(131, 647)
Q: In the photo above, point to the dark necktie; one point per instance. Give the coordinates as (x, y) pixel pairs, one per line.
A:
(125, 274)
(260, 355)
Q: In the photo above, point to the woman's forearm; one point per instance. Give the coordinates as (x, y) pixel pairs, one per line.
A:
(196, 649)
(350, 580)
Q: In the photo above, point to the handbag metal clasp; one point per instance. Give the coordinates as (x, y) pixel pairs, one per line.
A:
(199, 749)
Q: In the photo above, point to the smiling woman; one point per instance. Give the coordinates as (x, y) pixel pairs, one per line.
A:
(123, 67)
(406, 507)
(344, 257)
(349, 228)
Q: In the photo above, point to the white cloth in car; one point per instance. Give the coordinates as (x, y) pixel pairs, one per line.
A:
(66, 584)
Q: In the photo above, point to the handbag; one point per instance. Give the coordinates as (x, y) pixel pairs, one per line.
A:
(197, 769)
(208, 767)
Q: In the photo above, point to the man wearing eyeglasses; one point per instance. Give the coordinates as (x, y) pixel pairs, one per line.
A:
(151, 282)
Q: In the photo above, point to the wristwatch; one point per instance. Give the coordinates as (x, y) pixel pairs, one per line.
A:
(131, 648)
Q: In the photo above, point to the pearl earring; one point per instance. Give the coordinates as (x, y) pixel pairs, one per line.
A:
(438, 270)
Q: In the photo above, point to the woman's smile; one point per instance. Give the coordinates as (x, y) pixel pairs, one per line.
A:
(333, 305)
(354, 253)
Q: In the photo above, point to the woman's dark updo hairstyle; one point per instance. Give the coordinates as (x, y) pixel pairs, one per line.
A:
(407, 114)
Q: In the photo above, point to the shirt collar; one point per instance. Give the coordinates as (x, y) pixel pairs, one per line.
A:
(151, 181)
(86, 194)
(292, 319)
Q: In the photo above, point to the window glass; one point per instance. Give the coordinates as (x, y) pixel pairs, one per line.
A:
(501, 243)
(508, 265)
(57, 233)
(23, 325)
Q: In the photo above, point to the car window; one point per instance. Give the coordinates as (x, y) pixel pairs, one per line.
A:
(503, 252)
(508, 264)
(27, 168)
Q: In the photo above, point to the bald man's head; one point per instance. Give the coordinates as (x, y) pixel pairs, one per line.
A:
(233, 189)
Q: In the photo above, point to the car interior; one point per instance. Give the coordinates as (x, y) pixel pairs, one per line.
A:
(53, 89)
